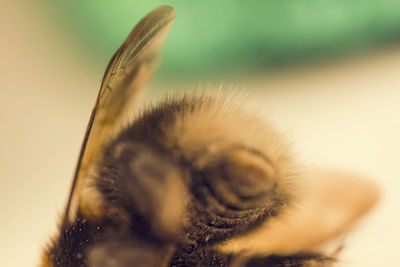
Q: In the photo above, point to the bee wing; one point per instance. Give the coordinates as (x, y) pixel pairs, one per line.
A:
(125, 77)
(331, 205)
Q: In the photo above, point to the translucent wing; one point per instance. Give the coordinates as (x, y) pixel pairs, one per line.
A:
(330, 206)
(126, 76)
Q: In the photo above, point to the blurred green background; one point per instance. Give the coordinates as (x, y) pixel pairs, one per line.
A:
(210, 38)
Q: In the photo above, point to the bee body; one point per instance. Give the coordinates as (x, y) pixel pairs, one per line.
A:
(174, 171)
(182, 183)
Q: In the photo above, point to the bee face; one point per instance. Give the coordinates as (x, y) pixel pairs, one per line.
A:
(182, 184)
(176, 170)
(222, 173)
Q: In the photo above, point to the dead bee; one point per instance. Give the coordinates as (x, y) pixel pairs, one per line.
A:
(194, 181)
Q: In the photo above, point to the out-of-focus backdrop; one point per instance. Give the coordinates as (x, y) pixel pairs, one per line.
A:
(326, 71)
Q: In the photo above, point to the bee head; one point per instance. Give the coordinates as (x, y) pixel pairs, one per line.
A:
(235, 168)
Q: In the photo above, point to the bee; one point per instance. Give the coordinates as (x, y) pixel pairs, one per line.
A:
(193, 181)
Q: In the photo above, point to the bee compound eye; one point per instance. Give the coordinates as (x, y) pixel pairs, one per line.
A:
(250, 179)
(245, 176)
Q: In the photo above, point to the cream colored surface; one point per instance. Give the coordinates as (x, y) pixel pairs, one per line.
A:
(344, 115)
